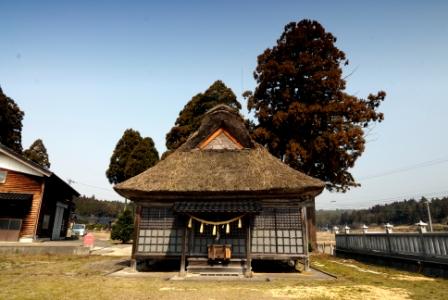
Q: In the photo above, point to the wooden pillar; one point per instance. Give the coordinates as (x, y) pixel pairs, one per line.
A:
(248, 272)
(135, 236)
(311, 223)
(183, 255)
(306, 260)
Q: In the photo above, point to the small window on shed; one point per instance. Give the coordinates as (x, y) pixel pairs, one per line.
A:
(3, 176)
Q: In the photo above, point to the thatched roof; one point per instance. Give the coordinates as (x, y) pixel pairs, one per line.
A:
(250, 172)
(221, 116)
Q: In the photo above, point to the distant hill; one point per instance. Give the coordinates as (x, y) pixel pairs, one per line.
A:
(404, 212)
(92, 210)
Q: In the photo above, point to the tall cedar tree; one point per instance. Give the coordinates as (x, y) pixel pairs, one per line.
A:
(38, 153)
(10, 123)
(304, 115)
(143, 156)
(191, 115)
(119, 158)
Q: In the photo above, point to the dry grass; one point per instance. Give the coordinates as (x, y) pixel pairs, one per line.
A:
(325, 237)
(71, 277)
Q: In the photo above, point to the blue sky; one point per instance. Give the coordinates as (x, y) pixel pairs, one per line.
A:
(84, 72)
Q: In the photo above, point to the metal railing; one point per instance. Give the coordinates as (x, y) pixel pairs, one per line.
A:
(431, 246)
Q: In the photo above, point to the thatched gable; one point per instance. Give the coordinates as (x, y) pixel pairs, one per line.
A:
(249, 172)
(221, 116)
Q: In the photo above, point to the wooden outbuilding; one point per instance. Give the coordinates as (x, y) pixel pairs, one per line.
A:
(34, 202)
(220, 201)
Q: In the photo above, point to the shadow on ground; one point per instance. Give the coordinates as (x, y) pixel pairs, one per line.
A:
(159, 266)
(272, 266)
(174, 266)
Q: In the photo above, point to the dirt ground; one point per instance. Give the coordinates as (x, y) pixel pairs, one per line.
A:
(101, 235)
(73, 277)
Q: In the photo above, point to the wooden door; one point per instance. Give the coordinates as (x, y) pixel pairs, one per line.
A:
(57, 225)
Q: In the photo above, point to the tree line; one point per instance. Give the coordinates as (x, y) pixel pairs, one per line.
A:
(405, 212)
(90, 206)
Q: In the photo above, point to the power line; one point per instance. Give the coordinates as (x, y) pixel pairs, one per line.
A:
(406, 168)
(389, 200)
(112, 192)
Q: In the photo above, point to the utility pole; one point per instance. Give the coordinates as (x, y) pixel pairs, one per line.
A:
(429, 215)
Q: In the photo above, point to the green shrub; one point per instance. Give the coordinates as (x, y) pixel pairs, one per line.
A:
(124, 227)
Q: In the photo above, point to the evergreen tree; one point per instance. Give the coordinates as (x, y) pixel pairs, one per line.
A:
(38, 153)
(143, 156)
(10, 123)
(124, 227)
(304, 116)
(116, 171)
(191, 115)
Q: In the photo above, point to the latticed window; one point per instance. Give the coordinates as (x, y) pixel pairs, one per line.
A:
(160, 232)
(278, 231)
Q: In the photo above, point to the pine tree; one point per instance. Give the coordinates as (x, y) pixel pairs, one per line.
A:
(10, 123)
(143, 156)
(191, 115)
(304, 115)
(124, 227)
(38, 153)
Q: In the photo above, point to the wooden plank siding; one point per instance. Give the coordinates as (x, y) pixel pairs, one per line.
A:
(25, 184)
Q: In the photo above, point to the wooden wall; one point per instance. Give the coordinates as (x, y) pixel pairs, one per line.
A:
(25, 184)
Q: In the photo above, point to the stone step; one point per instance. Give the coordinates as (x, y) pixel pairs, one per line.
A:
(206, 268)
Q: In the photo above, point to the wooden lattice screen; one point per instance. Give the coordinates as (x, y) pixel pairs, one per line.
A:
(160, 232)
(278, 231)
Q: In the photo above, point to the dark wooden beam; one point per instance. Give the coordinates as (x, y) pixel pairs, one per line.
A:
(248, 272)
(306, 260)
(135, 238)
(183, 255)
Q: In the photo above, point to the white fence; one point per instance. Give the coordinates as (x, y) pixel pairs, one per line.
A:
(422, 246)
